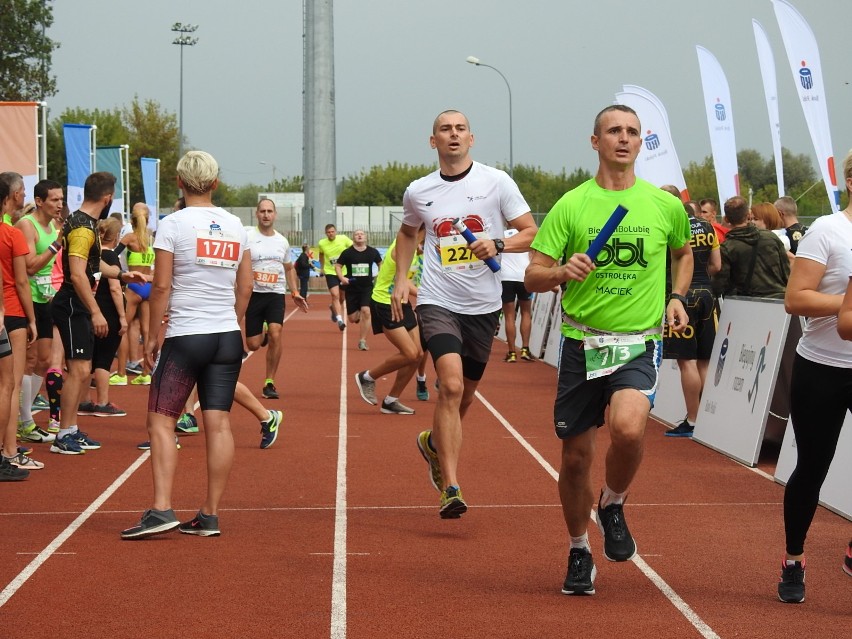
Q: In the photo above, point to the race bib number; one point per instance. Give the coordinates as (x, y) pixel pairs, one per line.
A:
(456, 254)
(266, 278)
(361, 270)
(217, 248)
(44, 285)
(606, 354)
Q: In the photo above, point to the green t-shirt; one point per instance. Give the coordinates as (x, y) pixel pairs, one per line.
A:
(331, 250)
(383, 288)
(627, 290)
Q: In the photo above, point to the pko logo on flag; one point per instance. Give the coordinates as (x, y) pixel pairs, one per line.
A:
(806, 77)
(720, 111)
(652, 141)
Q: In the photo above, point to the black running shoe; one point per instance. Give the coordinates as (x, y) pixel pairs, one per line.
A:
(580, 579)
(681, 430)
(153, 522)
(791, 586)
(269, 391)
(201, 525)
(8, 472)
(618, 543)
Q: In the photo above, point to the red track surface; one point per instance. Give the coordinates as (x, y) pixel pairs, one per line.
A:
(331, 537)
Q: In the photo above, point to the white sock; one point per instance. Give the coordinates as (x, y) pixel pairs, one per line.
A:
(608, 497)
(581, 542)
(367, 377)
(390, 400)
(35, 384)
(340, 318)
(25, 409)
(421, 378)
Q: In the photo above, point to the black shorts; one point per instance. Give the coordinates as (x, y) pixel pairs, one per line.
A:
(696, 341)
(44, 320)
(470, 336)
(580, 403)
(331, 281)
(263, 307)
(357, 298)
(15, 323)
(74, 323)
(381, 319)
(212, 361)
(515, 291)
(105, 348)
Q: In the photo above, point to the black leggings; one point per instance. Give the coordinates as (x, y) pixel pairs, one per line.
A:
(820, 395)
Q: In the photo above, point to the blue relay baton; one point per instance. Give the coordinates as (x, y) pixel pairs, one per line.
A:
(460, 226)
(606, 232)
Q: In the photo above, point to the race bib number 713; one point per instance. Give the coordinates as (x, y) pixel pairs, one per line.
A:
(606, 354)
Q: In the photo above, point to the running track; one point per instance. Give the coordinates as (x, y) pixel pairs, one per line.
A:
(334, 531)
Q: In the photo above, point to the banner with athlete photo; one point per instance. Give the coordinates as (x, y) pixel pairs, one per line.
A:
(151, 189)
(720, 123)
(657, 161)
(770, 90)
(19, 151)
(80, 158)
(803, 56)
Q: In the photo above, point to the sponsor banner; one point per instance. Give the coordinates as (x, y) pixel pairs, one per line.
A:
(720, 123)
(542, 312)
(19, 150)
(669, 405)
(770, 89)
(553, 344)
(742, 376)
(79, 156)
(110, 159)
(803, 56)
(658, 162)
(151, 189)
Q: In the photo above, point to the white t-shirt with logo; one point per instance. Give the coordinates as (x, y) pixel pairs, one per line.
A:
(513, 265)
(484, 199)
(829, 242)
(207, 245)
(269, 254)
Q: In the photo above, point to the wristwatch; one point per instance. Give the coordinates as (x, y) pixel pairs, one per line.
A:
(498, 244)
(677, 296)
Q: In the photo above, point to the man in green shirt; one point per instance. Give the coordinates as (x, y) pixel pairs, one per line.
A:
(330, 249)
(613, 309)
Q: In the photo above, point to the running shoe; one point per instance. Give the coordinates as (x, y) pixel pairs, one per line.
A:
(366, 388)
(618, 543)
(141, 380)
(791, 585)
(86, 408)
(40, 403)
(22, 461)
(201, 525)
(134, 368)
(117, 380)
(25, 428)
(580, 579)
(681, 430)
(431, 457)
(269, 428)
(8, 472)
(146, 445)
(341, 324)
(526, 355)
(452, 503)
(153, 522)
(109, 410)
(24, 450)
(53, 426)
(396, 408)
(510, 358)
(39, 436)
(269, 391)
(85, 442)
(847, 561)
(362, 345)
(66, 445)
(186, 424)
(422, 391)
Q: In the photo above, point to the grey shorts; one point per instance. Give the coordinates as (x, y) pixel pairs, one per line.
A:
(580, 403)
(471, 336)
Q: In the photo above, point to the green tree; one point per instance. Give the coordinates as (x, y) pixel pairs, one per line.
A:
(380, 185)
(541, 189)
(27, 51)
(701, 179)
(228, 196)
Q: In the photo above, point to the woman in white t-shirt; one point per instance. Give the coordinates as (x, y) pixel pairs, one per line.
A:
(821, 384)
(205, 279)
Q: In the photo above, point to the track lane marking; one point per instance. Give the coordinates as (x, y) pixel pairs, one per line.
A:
(338, 575)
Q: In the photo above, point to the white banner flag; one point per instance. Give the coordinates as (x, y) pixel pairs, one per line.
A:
(657, 162)
(720, 123)
(803, 55)
(770, 88)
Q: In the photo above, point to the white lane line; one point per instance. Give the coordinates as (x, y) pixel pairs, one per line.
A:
(676, 600)
(338, 576)
(62, 537)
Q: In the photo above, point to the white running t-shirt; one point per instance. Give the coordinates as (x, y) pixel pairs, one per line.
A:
(269, 254)
(207, 245)
(484, 199)
(829, 242)
(513, 266)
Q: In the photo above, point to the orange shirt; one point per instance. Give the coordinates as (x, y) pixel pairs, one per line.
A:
(12, 245)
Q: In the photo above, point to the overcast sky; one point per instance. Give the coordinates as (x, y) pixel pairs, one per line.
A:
(400, 62)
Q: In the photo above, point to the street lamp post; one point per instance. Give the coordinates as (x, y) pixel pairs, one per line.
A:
(183, 40)
(273, 171)
(475, 61)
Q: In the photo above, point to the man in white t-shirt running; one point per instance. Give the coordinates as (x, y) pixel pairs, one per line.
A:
(272, 269)
(205, 279)
(459, 303)
(517, 300)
